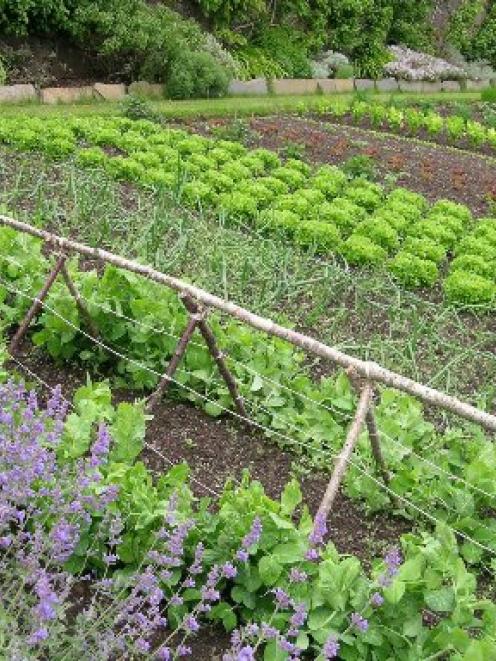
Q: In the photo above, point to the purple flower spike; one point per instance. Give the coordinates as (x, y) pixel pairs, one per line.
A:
(359, 622)
(163, 654)
(191, 624)
(297, 575)
(229, 570)
(319, 531)
(183, 650)
(246, 654)
(377, 599)
(282, 598)
(331, 648)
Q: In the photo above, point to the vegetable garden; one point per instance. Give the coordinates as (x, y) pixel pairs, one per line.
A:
(112, 548)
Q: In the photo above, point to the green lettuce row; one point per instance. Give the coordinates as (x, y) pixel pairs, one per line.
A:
(317, 208)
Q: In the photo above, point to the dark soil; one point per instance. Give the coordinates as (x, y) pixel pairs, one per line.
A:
(432, 170)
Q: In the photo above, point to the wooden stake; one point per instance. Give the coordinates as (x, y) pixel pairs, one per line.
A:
(179, 352)
(217, 355)
(348, 447)
(79, 301)
(374, 437)
(36, 306)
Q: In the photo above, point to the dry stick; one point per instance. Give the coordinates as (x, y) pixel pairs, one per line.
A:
(181, 346)
(371, 370)
(36, 306)
(79, 301)
(343, 458)
(217, 355)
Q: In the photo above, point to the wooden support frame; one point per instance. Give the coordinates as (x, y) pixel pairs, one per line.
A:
(372, 371)
(36, 306)
(179, 352)
(218, 356)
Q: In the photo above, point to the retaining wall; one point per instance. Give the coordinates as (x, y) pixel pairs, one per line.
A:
(256, 87)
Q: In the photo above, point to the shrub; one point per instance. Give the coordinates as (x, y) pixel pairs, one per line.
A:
(360, 250)
(324, 237)
(3, 72)
(489, 95)
(197, 75)
(473, 264)
(425, 248)
(380, 232)
(134, 107)
(463, 288)
(360, 166)
(455, 127)
(413, 271)
(299, 166)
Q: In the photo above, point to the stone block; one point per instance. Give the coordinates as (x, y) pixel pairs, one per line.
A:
(294, 86)
(17, 93)
(416, 86)
(149, 90)
(326, 85)
(451, 86)
(110, 92)
(364, 84)
(257, 86)
(387, 85)
(344, 85)
(477, 85)
(431, 87)
(52, 95)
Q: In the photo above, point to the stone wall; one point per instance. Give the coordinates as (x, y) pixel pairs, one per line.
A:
(257, 87)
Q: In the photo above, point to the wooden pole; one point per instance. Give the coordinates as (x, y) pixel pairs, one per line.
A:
(343, 458)
(374, 437)
(218, 356)
(370, 370)
(181, 346)
(79, 301)
(36, 305)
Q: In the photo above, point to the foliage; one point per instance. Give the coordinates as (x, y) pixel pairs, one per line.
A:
(196, 75)
(413, 271)
(468, 288)
(360, 250)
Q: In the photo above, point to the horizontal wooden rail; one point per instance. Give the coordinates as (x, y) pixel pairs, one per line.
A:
(370, 370)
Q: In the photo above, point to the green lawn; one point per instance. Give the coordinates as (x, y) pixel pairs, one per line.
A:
(230, 106)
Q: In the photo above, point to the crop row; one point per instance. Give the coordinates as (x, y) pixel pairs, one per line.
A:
(319, 208)
(141, 322)
(413, 121)
(143, 546)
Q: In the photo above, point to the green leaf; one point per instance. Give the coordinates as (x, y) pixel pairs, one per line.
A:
(224, 613)
(442, 600)
(289, 553)
(281, 524)
(291, 497)
(269, 569)
(128, 433)
(273, 652)
(394, 593)
(213, 409)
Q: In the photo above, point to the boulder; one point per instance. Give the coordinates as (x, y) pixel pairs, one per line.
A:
(17, 93)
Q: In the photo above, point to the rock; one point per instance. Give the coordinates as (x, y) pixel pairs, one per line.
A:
(110, 92)
(362, 84)
(451, 86)
(294, 86)
(52, 95)
(387, 85)
(344, 85)
(255, 86)
(326, 85)
(17, 93)
(477, 85)
(151, 90)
